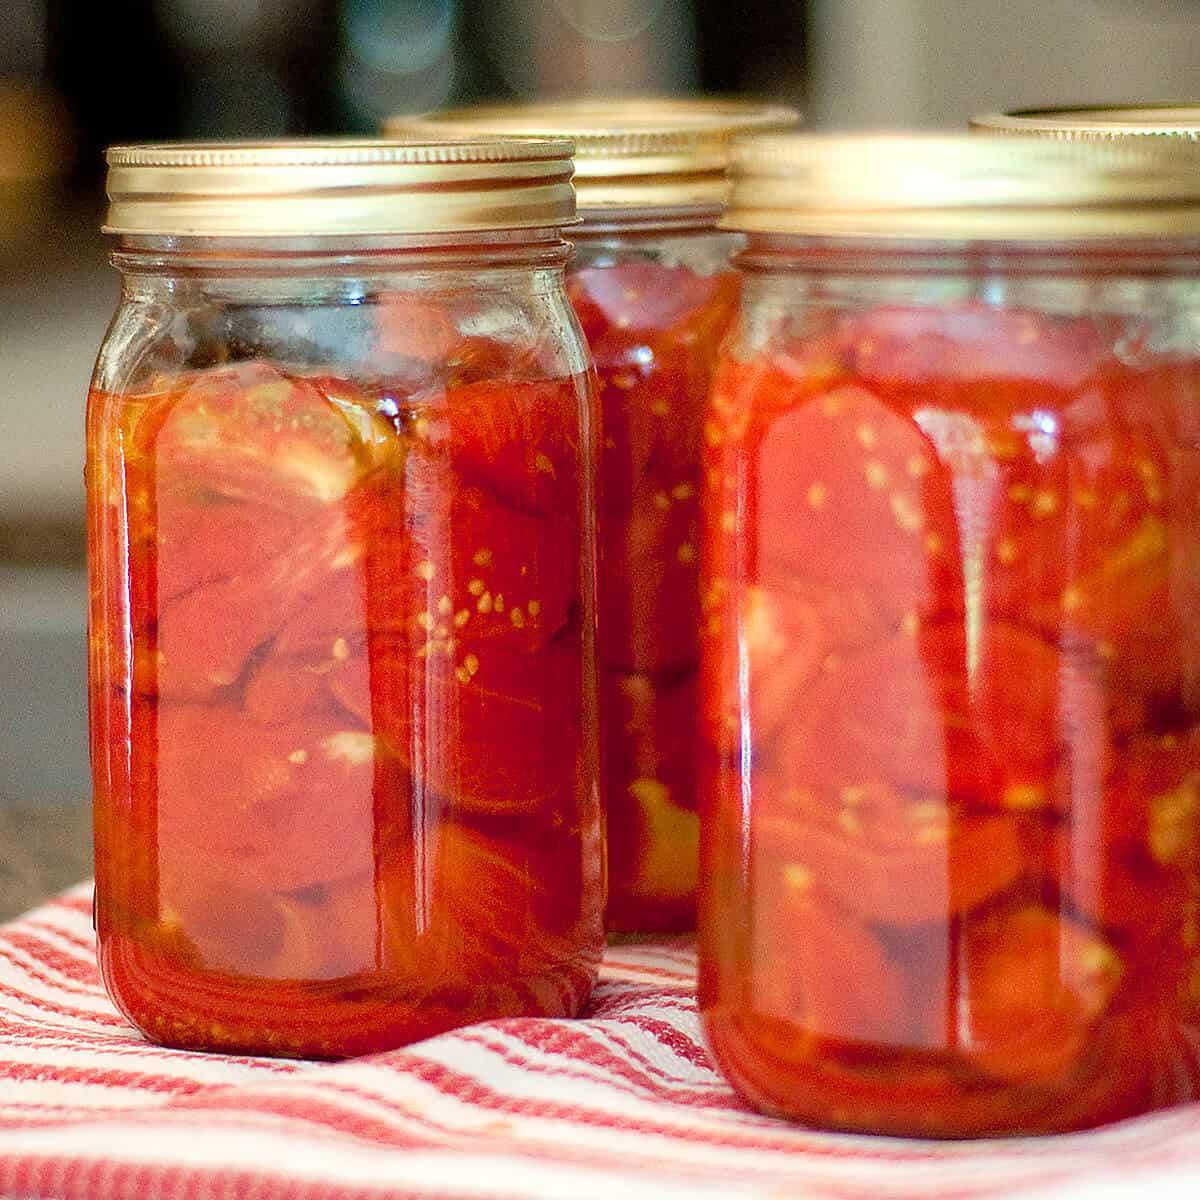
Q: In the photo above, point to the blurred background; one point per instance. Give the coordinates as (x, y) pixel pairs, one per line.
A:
(75, 76)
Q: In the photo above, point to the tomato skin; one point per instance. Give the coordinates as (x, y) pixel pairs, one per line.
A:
(951, 873)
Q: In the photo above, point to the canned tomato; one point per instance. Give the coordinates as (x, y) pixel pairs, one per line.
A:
(340, 476)
(951, 657)
(654, 290)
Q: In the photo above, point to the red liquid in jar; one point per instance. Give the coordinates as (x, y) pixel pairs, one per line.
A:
(654, 331)
(340, 668)
(953, 867)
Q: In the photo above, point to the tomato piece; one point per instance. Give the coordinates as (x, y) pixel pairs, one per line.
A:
(1147, 823)
(517, 723)
(1058, 454)
(281, 690)
(653, 332)
(465, 907)
(848, 492)
(1039, 468)
(980, 723)
(818, 966)
(634, 297)
(527, 565)
(779, 638)
(1035, 985)
(1126, 609)
(653, 858)
(507, 723)
(1117, 889)
(882, 856)
(206, 637)
(650, 730)
(421, 335)
(749, 395)
(255, 434)
(457, 575)
(1068, 525)
(1155, 799)
(976, 344)
(649, 591)
(415, 327)
(321, 932)
(199, 541)
(278, 806)
(452, 925)
(512, 437)
(642, 401)
(239, 478)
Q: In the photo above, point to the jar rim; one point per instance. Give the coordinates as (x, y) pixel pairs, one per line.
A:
(339, 186)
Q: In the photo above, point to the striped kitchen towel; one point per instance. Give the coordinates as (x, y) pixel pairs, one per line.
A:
(621, 1105)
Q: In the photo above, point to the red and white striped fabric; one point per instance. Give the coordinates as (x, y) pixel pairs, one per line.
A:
(621, 1105)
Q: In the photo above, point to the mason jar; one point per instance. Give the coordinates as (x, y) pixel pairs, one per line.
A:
(340, 474)
(951, 655)
(653, 288)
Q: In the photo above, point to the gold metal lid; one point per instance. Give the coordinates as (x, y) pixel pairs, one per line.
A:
(1179, 122)
(934, 186)
(339, 187)
(634, 153)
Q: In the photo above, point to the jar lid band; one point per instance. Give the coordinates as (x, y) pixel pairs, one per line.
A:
(630, 152)
(1179, 122)
(948, 187)
(339, 187)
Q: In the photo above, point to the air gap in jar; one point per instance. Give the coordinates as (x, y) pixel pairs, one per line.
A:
(654, 292)
(340, 491)
(952, 806)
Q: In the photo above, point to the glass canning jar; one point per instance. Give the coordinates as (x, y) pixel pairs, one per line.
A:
(653, 287)
(341, 459)
(951, 655)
